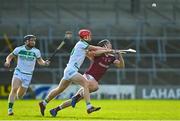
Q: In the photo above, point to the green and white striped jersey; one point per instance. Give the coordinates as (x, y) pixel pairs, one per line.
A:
(26, 59)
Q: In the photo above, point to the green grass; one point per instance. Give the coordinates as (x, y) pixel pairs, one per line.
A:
(111, 110)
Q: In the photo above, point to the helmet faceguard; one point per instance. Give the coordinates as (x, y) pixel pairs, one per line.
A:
(103, 42)
(29, 40)
(28, 37)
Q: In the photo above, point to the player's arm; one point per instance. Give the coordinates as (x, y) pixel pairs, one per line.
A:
(9, 59)
(94, 48)
(92, 51)
(43, 62)
(91, 54)
(40, 60)
(119, 62)
(99, 50)
(105, 51)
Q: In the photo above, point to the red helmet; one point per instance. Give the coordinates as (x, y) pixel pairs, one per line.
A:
(84, 32)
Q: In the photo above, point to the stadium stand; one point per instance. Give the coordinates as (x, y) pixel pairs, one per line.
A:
(153, 33)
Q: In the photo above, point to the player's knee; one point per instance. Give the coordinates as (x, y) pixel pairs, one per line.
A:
(14, 90)
(20, 96)
(96, 88)
(85, 84)
(93, 88)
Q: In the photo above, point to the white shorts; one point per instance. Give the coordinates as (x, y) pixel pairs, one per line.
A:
(88, 77)
(25, 78)
(69, 72)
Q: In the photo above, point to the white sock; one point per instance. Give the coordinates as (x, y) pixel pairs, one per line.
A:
(60, 107)
(9, 109)
(44, 103)
(82, 93)
(88, 105)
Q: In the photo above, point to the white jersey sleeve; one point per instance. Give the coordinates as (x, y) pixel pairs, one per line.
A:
(38, 54)
(16, 51)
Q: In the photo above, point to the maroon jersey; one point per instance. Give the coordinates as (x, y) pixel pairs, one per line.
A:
(99, 66)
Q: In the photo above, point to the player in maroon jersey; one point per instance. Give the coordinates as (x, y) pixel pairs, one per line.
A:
(100, 64)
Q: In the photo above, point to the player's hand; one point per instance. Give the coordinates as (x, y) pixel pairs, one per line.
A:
(7, 64)
(47, 63)
(113, 51)
(118, 52)
(110, 50)
(116, 61)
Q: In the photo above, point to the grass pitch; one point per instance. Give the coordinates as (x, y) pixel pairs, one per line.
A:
(111, 110)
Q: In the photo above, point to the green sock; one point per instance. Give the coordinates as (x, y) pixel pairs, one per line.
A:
(11, 105)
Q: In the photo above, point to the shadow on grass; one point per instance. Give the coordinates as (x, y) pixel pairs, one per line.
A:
(81, 118)
(59, 117)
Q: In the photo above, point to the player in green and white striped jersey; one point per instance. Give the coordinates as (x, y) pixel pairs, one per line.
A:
(27, 55)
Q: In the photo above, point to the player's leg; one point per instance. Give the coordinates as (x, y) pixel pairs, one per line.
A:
(68, 102)
(77, 97)
(59, 89)
(65, 104)
(21, 92)
(53, 93)
(69, 72)
(26, 80)
(93, 86)
(75, 77)
(16, 82)
(79, 79)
